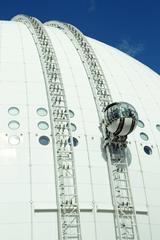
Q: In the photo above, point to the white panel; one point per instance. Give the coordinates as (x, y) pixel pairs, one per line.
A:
(144, 232)
(15, 231)
(155, 231)
(14, 174)
(81, 158)
(102, 196)
(136, 178)
(143, 226)
(134, 165)
(12, 93)
(15, 213)
(45, 226)
(89, 112)
(12, 72)
(85, 195)
(139, 198)
(12, 155)
(29, 47)
(94, 143)
(10, 36)
(100, 175)
(154, 212)
(45, 231)
(105, 226)
(14, 192)
(92, 129)
(142, 219)
(97, 159)
(33, 88)
(153, 197)
(43, 174)
(42, 155)
(151, 180)
(87, 226)
(11, 55)
(34, 73)
(43, 192)
(83, 174)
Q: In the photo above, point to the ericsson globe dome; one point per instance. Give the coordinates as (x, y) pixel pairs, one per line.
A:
(79, 137)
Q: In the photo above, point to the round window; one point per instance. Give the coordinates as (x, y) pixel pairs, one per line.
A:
(42, 112)
(71, 114)
(14, 140)
(44, 140)
(43, 125)
(73, 127)
(144, 136)
(158, 127)
(13, 111)
(147, 150)
(75, 141)
(140, 124)
(13, 125)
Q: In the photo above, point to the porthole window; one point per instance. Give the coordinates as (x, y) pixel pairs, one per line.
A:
(147, 150)
(140, 124)
(71, 114)
(158, 127)
(13, 125)
(44, 140)
(42, 112)
(75, 141)
(144, 136)
(43, 125)
(73, 127)
(14, 140)
(13, 111)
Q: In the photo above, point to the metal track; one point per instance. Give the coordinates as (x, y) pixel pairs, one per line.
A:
(124, 211)
(66, 185)
(94, 71)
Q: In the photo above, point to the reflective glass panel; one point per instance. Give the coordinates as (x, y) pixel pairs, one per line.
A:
(13, 111)
(147, 150)
(75, 141)
(13, 125)
(73, 127)
(44, 140)
(43, 125)
(14, 140)
(140, 124)
(158, 127)
(42, 112)
(144, 136)
(71, 113)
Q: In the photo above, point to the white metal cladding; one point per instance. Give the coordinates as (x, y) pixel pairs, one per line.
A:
(27, 171)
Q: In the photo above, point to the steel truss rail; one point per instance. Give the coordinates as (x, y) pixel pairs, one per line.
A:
(124, 210)
(66, 185)
(94, 71)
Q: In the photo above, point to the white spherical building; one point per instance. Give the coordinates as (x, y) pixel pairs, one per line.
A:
(53, 186)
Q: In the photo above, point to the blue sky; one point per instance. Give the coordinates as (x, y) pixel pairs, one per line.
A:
(132, 26)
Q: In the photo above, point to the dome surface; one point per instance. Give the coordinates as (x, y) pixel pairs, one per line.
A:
(28, 202)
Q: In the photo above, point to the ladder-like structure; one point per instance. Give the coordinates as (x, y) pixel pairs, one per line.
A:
(66, 185)
(115, 148)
